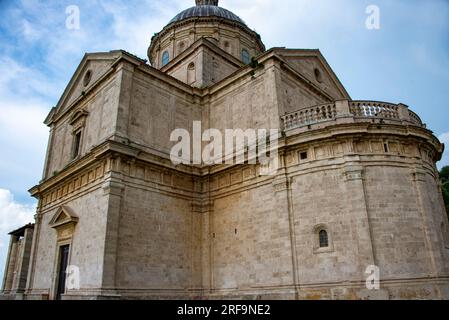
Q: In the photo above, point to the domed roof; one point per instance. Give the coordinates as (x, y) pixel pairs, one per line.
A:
(207, 11)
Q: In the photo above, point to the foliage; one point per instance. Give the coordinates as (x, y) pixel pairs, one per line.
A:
(444, 177)
(444, 174)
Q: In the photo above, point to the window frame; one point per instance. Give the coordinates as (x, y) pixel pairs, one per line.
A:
(323, 238)
(191, 73)
(317, 249)
(165, 58)
(76, 143)
(246, 55)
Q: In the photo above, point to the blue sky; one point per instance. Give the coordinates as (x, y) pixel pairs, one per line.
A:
(406, 60)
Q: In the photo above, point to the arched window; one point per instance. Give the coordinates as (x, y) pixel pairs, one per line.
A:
(181, 47)
(245, 56)
(324, 239)
(191, 74)
(165, 58)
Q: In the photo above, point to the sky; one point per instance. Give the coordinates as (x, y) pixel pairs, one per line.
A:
(405, 60)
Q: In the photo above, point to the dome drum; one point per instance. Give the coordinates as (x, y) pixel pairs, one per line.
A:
(205, 20)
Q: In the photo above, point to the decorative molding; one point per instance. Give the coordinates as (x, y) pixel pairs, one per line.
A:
(64, 222)
(354, 173)
(63, 217)
(78, 119)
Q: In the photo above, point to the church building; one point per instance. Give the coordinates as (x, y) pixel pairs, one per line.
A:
(353, 210)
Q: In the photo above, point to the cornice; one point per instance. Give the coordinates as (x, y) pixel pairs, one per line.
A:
(202, 42)
(195, 20)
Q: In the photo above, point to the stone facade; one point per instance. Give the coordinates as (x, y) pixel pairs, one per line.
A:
(140, 227)
(16, 269)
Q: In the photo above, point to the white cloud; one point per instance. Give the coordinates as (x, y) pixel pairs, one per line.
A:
(30, 33)
(23, 139)
(22, 123)
(12, 214)
(444, 138)
(18, 81)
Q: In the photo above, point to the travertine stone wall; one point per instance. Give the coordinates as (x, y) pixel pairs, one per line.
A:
(181, 71)
(10, 266)
(154, 110)
(229, 37)
(87, 243)
(98, 68)
(251, 245)
(158, 241)
(149, 229)
(215, 68)
(250, 102)
(397, 222)
(100, 124)
(315, 71)
(295, 95)
(363, 195)
(317, 201)
(208, 68)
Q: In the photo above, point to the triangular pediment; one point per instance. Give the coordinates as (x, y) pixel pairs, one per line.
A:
(204, 54)
(62, 217)
(91, 69)
(313, 66)
(197, 46)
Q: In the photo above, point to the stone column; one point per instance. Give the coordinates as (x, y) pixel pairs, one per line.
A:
(356, 195)
(113, 189)
(8, 276)
(429, 227)
(204, 208)
(283, 194)
(23, 261)
(33, 251)
(356, 191)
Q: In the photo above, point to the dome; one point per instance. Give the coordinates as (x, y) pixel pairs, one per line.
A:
(207, 11)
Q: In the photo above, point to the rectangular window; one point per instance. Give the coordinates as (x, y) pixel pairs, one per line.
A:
(303, 155)
(76, 144)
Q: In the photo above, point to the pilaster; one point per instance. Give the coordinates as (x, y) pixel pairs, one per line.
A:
(356, 194)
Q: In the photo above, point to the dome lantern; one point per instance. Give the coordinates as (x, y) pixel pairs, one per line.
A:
(206, 2)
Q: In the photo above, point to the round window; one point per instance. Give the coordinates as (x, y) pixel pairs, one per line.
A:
(87, 78)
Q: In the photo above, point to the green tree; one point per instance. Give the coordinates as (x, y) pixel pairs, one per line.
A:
(444, 177)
